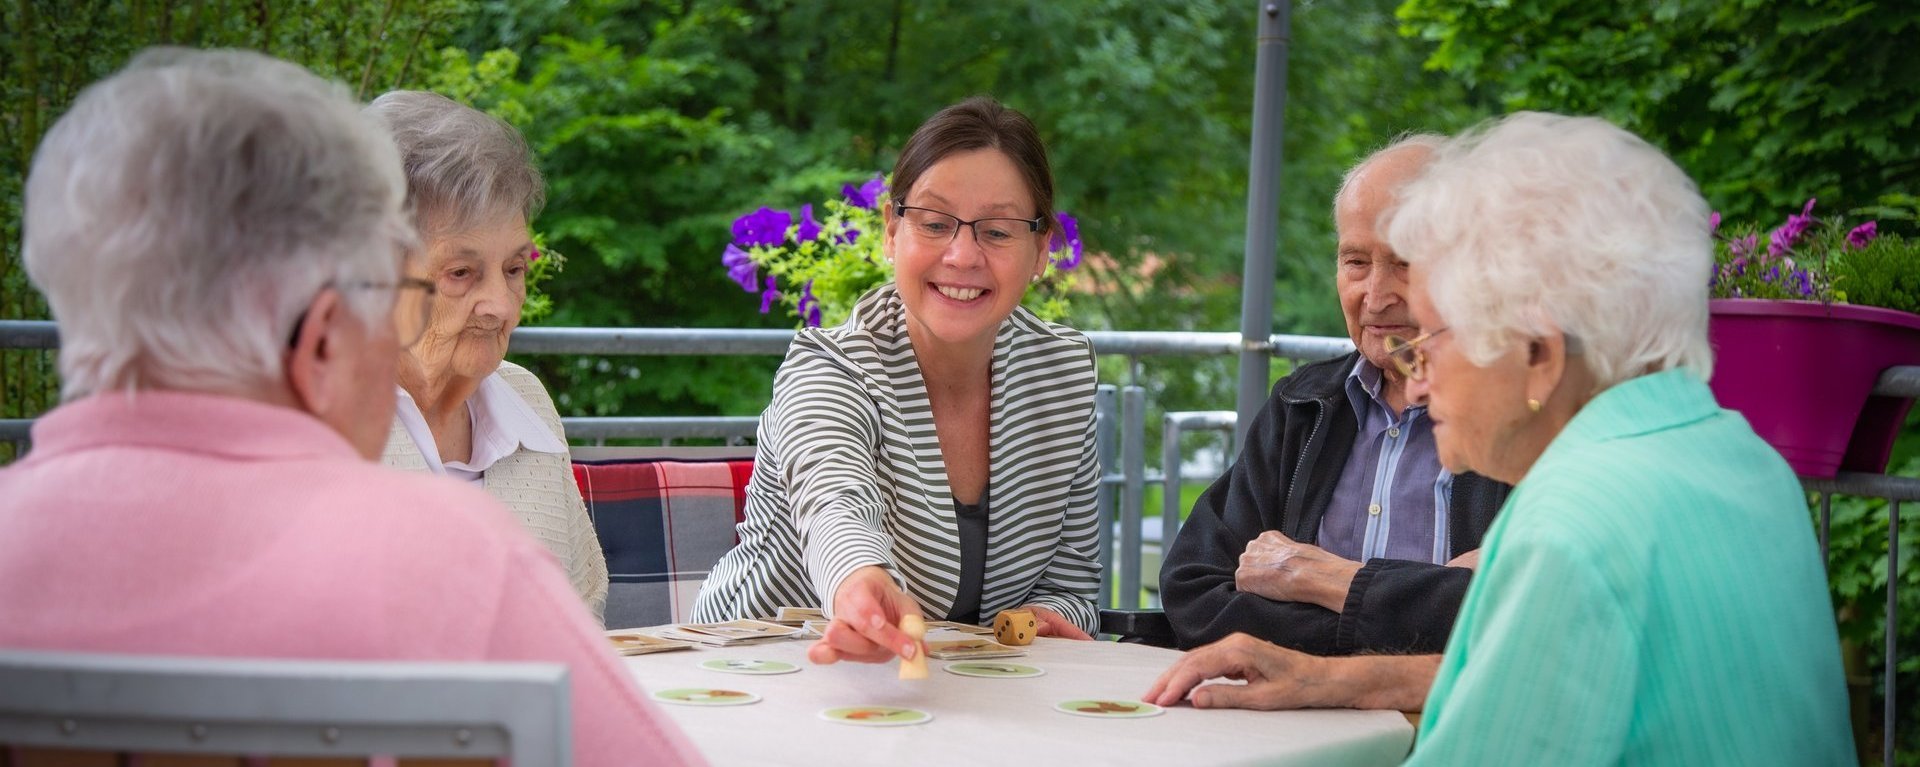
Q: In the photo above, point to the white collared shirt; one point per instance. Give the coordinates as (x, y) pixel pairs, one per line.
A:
(502, 424)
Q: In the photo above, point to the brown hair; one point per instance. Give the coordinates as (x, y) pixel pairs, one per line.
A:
(978, 123)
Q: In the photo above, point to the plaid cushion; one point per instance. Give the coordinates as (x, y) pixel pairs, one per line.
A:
(663, 525)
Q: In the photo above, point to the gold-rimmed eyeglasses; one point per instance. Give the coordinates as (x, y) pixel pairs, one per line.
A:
(1407, 356)
(938, 228)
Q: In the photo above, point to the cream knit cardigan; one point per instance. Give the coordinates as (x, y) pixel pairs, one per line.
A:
(538, 488)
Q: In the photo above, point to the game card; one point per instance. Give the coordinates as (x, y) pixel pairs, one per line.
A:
(876, 716)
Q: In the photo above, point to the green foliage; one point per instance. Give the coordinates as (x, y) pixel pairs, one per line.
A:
(51, 49)
(1763, 102)
(1885, 273)
(547, 264)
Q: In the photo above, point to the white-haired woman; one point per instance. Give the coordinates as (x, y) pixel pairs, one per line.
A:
(464, 411)
(1651, 592)
(222, 238)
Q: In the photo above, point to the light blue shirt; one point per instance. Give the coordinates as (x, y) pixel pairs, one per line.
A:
(1392, 497)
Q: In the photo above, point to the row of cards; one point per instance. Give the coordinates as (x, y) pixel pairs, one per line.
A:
(893, 716)
(790, 623)
(968, 668)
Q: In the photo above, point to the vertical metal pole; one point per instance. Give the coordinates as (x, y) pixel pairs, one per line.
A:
(1893, 624)
(1170, 431)
(1263, 207)
(1826, 524)
(1106, 421)
(1133, 455)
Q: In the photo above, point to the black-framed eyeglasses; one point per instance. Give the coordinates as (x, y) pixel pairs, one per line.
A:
(935, 227)
(1407, 356)
(411, 314)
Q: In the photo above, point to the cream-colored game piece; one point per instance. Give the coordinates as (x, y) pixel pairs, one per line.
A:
(916, 666)
(1015, 628)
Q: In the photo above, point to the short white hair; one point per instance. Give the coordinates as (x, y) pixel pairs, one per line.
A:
(464, 166)
(185, 211)
(1539, 222)
(1410, 140)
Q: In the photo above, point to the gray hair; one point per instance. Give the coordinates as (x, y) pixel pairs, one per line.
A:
(1540, 222)
(184, 212)
(463, 166)
(1428, 141)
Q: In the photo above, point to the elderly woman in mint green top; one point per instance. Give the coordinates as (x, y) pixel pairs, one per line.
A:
(1651, 593)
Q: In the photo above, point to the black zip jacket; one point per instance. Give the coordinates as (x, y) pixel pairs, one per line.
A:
(1283, 480)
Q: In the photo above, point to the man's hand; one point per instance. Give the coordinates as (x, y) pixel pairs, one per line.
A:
(866, 621)
(1279, 678)
(1285, 570)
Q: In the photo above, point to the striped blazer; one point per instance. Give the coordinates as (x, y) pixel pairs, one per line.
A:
(848, 473)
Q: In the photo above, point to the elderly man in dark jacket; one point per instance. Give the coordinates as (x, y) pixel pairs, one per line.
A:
(1336, 531)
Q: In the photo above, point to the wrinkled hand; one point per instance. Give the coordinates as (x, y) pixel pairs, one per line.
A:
(866, 621)
(1276, 677)
(1285, 570)
(1053, 624)
(1469, 560)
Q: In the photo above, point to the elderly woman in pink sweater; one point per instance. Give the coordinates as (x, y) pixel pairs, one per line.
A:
(221, 237)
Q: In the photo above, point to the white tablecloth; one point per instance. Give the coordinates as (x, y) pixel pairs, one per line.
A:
(1004, 722)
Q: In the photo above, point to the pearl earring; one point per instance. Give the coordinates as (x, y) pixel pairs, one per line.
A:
(1533, 405)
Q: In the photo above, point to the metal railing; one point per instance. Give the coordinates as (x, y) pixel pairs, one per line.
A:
(1120, 433)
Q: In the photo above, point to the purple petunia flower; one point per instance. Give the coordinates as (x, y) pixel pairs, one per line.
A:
(1805, 279)
(847, 237)
(740, 268)
(1740, 266)
(809, 229)
(765, 226)
(1744, 246)
(866, 195)
(1771, 275)
(1066, 235)
(1789, 234)
(809, 306)
(1863, 234)
(768, 296)
(1713, 222)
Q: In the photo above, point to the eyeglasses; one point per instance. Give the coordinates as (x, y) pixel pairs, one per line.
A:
(1407, 356)
(411, 313)
(933, 227)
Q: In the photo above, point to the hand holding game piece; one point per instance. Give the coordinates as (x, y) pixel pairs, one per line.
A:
(867, 608)
(916, 666)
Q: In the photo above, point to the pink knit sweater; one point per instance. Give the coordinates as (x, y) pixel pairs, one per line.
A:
(169, 523)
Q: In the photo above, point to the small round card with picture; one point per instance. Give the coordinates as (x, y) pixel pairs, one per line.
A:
(991, 670)
(749, 666)
(702, 696)
(1109, 709)
(876, 716)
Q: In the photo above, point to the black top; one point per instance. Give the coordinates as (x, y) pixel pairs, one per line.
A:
(972, 521)
(1283, 480)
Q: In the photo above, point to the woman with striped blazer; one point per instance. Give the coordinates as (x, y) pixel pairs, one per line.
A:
(934, 454)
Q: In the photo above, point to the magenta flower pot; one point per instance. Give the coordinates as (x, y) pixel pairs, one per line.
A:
(1802, 373)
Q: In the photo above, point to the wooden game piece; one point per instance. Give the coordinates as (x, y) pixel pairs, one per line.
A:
(1015, 628)
(916, 666)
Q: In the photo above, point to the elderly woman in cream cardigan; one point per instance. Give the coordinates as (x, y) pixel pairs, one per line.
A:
(464, 411)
